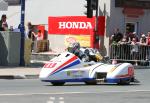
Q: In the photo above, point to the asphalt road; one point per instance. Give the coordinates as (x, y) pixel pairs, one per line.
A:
(35, 91)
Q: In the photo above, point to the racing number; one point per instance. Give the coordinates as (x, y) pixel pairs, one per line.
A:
(50, 65)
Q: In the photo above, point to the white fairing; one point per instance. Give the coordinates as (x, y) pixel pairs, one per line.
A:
(68, 67)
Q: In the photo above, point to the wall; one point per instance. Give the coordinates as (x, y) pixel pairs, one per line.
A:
(145, 22)
(104, 10)
(37, 11)
(9, 48)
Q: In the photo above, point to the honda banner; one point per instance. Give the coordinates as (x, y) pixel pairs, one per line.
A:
(71, 25)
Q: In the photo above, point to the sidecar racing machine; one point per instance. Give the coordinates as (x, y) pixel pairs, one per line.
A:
(67, 67)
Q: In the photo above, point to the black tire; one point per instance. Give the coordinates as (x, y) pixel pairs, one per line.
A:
(91, 82)
(124, 82)
(57, 83)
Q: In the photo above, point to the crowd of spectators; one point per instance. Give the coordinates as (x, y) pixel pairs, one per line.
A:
(130, 38)
(130, 46)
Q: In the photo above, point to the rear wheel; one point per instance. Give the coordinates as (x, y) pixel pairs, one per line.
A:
(90, 82)
(124, 82)
(58, 83)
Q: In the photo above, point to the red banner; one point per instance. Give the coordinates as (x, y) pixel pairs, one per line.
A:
(101, 25)
(71, 25)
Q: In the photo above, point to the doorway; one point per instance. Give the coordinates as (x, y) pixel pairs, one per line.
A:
(132, 27)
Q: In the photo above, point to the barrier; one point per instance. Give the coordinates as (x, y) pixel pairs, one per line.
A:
(135, 54)
(9, 48)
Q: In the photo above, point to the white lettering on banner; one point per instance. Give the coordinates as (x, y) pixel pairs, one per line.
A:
(75, 25)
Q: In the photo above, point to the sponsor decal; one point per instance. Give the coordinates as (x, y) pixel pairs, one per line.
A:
(75, 74)
(71, 25)
(84, 40)
(75, 25)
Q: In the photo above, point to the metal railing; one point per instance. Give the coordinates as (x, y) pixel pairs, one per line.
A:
(135, 54)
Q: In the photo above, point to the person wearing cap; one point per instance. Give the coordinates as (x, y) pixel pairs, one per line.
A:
(3, 23)
(142, 47)
(143, 39)
(132, 35)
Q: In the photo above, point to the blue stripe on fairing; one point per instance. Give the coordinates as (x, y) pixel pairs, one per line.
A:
(116, 80)
(70, 65)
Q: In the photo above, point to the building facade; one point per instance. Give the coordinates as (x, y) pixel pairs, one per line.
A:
(127, 15)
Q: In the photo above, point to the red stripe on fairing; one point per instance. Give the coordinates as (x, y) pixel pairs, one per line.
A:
(129, 74)
(123, 76)
(69, 61)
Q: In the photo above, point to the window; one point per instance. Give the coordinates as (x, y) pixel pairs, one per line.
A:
(133, 3)
(13, 2)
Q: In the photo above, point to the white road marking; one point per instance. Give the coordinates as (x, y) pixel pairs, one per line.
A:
(61, 102)
(49, 102)
(52, 98)
(58, 93)
(61, 98)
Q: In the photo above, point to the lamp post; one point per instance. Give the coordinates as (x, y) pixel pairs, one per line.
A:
(22, 30)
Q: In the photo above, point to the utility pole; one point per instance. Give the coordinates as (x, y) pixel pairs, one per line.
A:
(97, 2)
(22, 30)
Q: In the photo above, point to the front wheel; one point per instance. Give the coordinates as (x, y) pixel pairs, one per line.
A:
(57, 83)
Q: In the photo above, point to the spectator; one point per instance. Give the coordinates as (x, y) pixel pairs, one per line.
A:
(134, 50)
(131, 36)
(142, 47)
(31, 34)
(30, 31)
(117, 36)
(124, 48)
(124, 40)
(143, 39)
(148, 38)
(3, 23)
(148, 45)
(39, 35)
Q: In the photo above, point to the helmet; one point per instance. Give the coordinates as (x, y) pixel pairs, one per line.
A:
(74, 48)
(76, 45)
